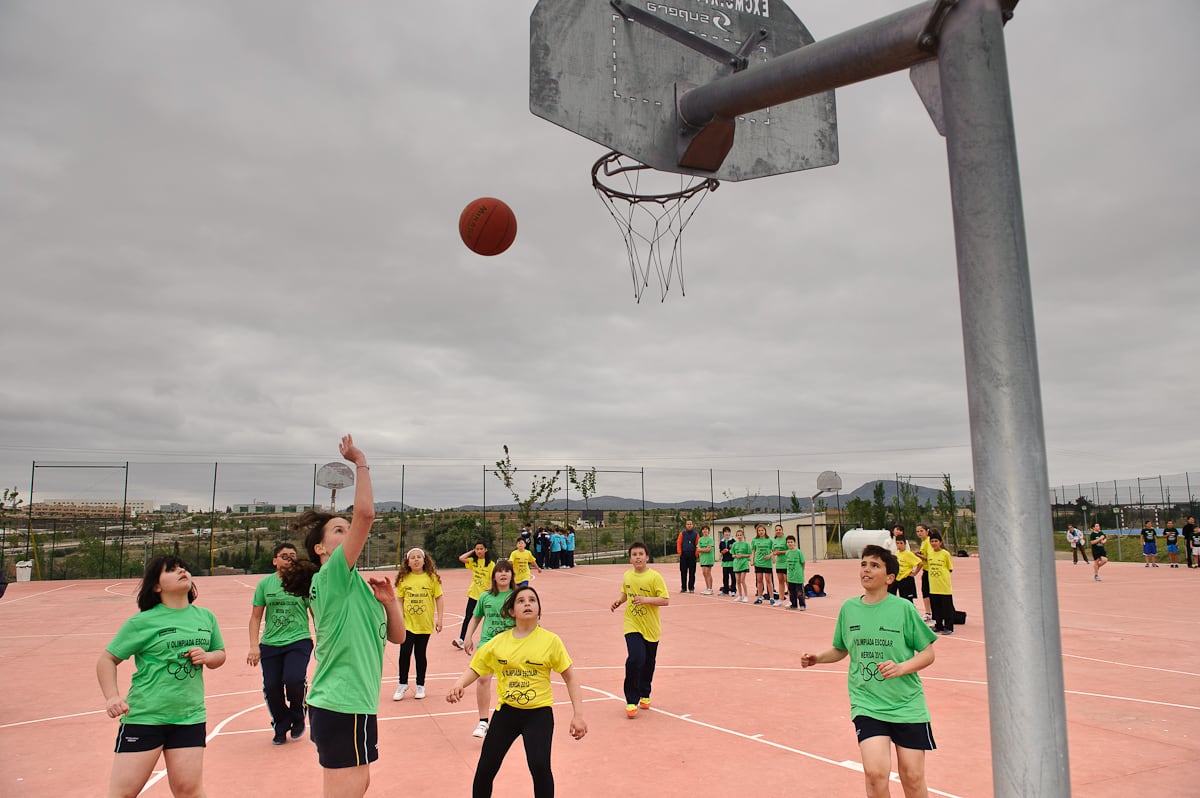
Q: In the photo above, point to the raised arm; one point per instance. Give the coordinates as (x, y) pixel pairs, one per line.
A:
(364, 502)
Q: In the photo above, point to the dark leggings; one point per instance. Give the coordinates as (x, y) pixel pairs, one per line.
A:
(639, 667)
(941, 606)
(536, 727)
(796, 593)
(462, 633)
(413, 643)
(284, 670)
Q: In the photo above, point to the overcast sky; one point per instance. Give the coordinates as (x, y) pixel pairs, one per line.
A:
(229, 233)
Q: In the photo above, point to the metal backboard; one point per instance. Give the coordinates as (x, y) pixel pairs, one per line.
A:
(613, 80)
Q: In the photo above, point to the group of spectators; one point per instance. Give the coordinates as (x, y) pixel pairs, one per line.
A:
(552, 547)
(1170, 535)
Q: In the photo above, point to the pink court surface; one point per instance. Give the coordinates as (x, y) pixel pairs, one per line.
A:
(733, 712)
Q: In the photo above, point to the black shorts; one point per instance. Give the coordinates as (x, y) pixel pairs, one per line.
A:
(134, 737)
(342, 740)
(1098, 552)
(916, 736)
(925, 584)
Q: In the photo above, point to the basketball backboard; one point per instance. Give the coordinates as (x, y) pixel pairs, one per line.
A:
(609, 78)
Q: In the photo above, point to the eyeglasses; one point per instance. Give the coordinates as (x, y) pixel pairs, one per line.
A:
(283, 555)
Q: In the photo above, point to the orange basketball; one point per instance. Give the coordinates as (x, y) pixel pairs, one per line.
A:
(487, 226)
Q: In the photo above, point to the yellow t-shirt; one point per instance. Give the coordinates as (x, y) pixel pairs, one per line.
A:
(419, 594)
(521, 560)
(925, 549)
(522, 666)
(481, 577)
(908, 562)
(940, 565)
(643, 618)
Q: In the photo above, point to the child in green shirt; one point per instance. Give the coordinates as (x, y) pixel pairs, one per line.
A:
(793, 561)
(887, 643)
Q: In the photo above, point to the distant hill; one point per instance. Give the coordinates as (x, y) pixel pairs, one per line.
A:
(623, 504)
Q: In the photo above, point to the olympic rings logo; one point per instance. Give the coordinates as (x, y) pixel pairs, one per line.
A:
(519, 698)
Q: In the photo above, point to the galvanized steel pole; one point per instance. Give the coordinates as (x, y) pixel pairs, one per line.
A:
(1016, 547)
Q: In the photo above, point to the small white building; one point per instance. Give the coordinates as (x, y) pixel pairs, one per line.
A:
(809, 529)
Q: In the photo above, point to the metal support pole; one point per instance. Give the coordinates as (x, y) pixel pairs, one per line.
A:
(1024, 648)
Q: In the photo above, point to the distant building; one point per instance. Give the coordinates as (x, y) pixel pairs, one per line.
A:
(90, 508)
(265, 508)
(173, 507)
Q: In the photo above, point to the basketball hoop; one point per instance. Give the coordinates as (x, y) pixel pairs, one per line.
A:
(650, 222)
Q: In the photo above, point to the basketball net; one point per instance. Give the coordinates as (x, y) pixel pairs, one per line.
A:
(651, 223)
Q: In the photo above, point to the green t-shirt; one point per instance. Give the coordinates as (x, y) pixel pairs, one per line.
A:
(166, 687)
(488, 608)
(762, 553)
(351, 634)
(793, 560)
(286, 618)
(779, 545)
(707, 557)
(741, 564)
(872, 633)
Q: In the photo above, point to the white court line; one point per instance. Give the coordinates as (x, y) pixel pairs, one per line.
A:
(129, 590)
(36, 595)
(1130, 665)
(1136, 700)
(758, 738)
(158, 774)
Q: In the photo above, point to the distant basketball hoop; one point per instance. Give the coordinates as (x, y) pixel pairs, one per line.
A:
(335, 476)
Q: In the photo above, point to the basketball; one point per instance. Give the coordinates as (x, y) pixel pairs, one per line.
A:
(487, 226)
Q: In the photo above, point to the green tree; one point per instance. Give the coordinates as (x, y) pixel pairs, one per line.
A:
(878, 507)
(447, 540)
(859, 511)
(541, 490)
(947, 507)
(908, 503)
(795, 507)
(584, 483)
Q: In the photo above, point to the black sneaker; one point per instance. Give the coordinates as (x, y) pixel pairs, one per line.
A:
(280, 738)
(298, 729)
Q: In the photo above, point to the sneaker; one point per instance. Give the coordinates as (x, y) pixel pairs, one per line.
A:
(631, 710)
(420, 691)
(758, 601)
(401, 689)
(946, 632)
(481, 729)
(644, 703)
(298, 729)
(1097, 577)
(457, 642)
(772, 602)
(280, 737)
(1147, 565)
(708, 592)
(791, 608)
(1155, 564)
(803, 608)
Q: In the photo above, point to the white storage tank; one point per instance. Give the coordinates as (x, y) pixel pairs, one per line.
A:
(854, 541)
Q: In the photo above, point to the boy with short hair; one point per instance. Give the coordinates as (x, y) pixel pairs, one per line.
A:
(728, 584)
(793, 560)
(887, 643)
(643, 591)
(905, 584)
(941, 597)
(1149, 544)
(521, 558)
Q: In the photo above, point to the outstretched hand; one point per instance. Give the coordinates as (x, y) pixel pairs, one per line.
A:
(351, 452)
(381, 586)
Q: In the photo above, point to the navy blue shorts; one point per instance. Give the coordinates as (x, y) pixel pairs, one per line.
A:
(343, 740)
(134, 737)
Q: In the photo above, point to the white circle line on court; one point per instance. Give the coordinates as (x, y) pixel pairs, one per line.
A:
(35, 595)
(158, 774)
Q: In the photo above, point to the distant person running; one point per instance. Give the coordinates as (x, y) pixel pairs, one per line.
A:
(1097, 539)
(354, 619)
(521, 560)
(643, 591)
(171, 641)
(522, 659)
(741, 552)
(480, 565)
(284, 649)
(419, 589)
(490, 613)
(1075, 541)
(887, 643)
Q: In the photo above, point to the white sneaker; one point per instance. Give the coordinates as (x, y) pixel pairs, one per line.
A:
(708, 592)
(481, 729)
(457, 642)
(400, 691)
(420, 691)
